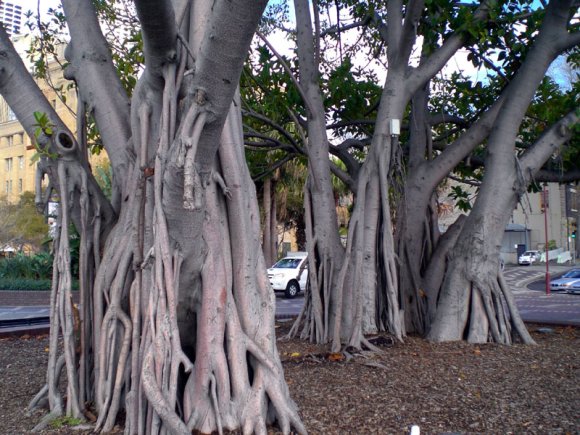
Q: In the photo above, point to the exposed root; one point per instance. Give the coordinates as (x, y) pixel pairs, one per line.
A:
(45, 421)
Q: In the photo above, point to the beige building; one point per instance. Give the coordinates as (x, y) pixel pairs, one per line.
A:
(557, 225)
(526, 229)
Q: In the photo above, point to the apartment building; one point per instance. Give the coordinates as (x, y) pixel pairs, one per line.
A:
(12, 16)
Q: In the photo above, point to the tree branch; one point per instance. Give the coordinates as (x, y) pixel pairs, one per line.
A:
(272, 124)
(287, 69)
(91, 67)
(413, 14)
(339, 29)
(441, 56)
(570, 41)
(219, 64)
(548, 143)
(544, 175)
(25, 97)
(159, 32)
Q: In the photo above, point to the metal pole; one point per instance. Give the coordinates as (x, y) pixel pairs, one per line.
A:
(546, 248)
(566, 214)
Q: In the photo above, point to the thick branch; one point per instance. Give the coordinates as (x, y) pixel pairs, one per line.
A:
(91, 67)
(159, 32)
(548, 143)
(25, 97)
(546, 176)
(219, 65)
(441, 56)
(412, 16)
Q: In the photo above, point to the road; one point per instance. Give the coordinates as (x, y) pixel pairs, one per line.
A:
(526, 283)
(528, 289)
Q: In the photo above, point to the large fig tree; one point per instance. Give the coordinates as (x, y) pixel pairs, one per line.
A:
(175, 328)
(389, 277)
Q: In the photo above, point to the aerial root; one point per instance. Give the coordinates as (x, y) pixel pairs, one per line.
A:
(157, 399)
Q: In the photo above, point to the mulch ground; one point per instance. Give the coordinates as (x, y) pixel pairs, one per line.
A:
(443, 388)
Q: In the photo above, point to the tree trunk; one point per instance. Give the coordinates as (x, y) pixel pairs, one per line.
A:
(475, 302)
(267, 227)
(177, 327)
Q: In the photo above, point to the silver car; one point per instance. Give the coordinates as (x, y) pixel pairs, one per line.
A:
(565, 282)
(574, 289)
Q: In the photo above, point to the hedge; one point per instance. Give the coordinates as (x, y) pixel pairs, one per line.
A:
(28, 284)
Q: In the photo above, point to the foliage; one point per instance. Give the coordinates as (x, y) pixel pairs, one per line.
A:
(461, 197)
(43, 126)
(38, 266)
(21, 222)
(24, 284)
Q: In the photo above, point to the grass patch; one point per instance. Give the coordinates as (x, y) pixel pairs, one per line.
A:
(65, 420)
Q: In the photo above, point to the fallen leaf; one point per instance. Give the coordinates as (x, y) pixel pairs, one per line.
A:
(335, 356)
(295, 354)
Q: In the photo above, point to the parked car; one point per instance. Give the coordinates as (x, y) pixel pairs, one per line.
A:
(529, 257)
(566, 281)
(290, 274)
(574, 289)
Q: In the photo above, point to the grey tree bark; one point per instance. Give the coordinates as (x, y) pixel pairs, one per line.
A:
(177, 320)
(355, 291)
(475, 302)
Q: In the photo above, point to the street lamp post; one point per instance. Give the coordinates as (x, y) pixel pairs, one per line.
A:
(545, 195)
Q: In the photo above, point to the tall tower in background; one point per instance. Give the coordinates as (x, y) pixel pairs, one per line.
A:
(11, 16)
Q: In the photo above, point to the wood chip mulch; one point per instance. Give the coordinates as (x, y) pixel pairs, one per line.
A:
(451, 388)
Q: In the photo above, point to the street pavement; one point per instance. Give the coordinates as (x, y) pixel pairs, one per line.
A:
(527, 284)
(535, 305)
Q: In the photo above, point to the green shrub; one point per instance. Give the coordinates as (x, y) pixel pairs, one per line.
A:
(38, 266)
(24, 284)
(29, 284)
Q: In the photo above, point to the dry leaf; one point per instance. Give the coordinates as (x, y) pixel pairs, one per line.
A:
(335, 356)
(295, 354)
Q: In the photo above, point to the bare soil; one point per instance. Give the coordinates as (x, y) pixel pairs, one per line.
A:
(443, 388)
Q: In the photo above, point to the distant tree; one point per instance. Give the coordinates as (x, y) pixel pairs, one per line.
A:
(22, 224)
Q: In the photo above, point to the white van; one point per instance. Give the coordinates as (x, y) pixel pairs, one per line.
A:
(529, 257)
(290, 274)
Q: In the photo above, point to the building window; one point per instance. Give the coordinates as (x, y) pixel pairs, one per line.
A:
(20, 185)
(8, 164)
(21, 162)
(7, 184)
(11, 115)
